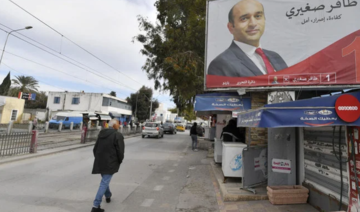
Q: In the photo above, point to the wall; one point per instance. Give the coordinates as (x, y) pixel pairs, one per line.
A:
(256, 136)
(12, 103)
(88, 101)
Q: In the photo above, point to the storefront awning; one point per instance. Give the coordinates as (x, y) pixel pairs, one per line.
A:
(315, 112)
(210, 103)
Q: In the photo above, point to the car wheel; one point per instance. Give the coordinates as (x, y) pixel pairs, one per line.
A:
(158, 136)
(162, 135)
(143, 136)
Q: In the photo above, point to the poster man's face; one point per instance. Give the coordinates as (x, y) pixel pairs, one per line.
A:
(249, 22)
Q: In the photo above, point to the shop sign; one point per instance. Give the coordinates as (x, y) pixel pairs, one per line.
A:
(347, 107)
(281, 166)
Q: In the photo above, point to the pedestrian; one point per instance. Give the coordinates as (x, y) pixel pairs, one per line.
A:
(109, 154)
(35, 123)
(193, 134)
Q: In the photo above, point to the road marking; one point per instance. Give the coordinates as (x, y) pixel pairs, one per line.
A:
(158, 188)
(176, 164)
(172, 170)
(147, 203)
(166, 178)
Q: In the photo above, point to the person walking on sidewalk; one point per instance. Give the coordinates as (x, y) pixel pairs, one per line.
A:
(109, 154)
(194, 134)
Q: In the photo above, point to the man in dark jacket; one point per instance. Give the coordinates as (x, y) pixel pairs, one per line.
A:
(194, 134)
(109, 154)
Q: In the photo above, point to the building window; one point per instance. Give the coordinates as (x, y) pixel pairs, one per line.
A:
(56, 100)
(13, 115)
(75, 101)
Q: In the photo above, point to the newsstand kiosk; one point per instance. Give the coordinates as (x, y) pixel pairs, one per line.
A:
(327, 158)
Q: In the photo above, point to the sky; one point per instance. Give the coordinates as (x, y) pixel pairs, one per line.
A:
(104, 28)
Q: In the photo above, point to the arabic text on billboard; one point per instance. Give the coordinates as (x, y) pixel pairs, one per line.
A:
(299, 43)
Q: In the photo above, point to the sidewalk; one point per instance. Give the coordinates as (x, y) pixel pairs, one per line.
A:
(50, 151)
(231, 198)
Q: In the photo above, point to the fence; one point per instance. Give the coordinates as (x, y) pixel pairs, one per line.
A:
(15, 143)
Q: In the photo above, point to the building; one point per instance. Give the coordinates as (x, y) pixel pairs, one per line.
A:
(89, 102)
(11, 109)
(161, 114)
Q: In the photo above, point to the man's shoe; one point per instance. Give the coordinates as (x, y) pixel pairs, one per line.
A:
(108, 199)
(97, 209)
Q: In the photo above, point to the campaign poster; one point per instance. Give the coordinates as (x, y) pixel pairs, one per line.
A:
(271, 43)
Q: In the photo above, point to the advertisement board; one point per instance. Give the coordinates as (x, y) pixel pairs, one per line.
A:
(271, 43)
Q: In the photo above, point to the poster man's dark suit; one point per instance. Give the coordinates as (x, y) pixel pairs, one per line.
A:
(233, 62)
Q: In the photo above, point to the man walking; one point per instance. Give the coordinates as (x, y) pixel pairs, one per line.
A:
(109, 154)
(193, 134)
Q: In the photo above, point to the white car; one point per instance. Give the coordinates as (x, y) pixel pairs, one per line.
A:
(152, 129)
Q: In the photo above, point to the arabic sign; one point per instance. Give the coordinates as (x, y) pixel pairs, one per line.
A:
(348, 108)
(299, 46)
(281, 166)
(302, 113)
(27, 96)
(221, 102)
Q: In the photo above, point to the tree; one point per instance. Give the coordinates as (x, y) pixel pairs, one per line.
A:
(140, 103)
(189, 113)
(112, 93)
(173, 110)
(25, 84)
(5, 85)
(174, 47)
(39, 102)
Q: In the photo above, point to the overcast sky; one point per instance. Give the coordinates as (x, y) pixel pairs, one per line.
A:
(105, 28)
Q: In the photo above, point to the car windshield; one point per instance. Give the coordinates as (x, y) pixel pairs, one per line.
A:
(151, 125)
(58, 118)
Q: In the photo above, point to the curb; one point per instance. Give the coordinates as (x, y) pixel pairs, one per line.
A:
(53, 151)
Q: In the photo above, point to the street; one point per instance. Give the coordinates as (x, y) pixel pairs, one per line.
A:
(156, 175)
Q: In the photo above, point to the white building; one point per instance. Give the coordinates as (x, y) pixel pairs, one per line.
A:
(89, 102)
(161, 113)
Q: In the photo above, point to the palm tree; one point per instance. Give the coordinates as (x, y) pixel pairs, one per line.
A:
(26, 84)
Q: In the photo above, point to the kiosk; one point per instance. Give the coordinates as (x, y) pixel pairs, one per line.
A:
(326, 158)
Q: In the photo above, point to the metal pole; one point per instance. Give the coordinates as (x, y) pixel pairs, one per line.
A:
(2, 54)
(136, 105)
(150, 109)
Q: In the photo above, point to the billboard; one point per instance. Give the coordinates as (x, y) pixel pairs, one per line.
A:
(291, 43)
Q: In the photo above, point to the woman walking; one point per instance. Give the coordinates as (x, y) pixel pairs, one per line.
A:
(193, 134)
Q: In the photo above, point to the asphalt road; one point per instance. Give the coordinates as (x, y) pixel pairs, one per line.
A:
(157, 175)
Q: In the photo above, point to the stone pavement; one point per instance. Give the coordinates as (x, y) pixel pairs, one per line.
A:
(255, 206)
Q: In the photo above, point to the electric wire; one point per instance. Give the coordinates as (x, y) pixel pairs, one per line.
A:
(12, 69)
(53, 50)
(74, 42)
(95, 73)
(32, 61)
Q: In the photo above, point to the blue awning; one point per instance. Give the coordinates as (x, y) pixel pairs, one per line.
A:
(221, 102)
(315, 112)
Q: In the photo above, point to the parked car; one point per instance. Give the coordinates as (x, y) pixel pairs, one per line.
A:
(66, 119)
(169, 128)
(188, 126)
(180, 127)
(152, 129)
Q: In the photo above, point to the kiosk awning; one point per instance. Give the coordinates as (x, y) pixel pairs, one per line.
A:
(315, 112)
(210, 103)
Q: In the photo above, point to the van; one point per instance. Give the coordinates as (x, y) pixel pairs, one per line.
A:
(66, 119)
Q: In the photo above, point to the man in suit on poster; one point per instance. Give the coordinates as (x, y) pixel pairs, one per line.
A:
(245, 57)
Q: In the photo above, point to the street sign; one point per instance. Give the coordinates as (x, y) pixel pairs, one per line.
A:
(27, 96)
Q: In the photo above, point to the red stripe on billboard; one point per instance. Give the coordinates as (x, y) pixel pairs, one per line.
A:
(337, 64)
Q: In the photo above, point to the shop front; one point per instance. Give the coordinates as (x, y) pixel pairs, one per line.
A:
(316, 145)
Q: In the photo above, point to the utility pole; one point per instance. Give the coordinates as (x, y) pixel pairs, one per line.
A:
(150, 109)
(137, 95)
